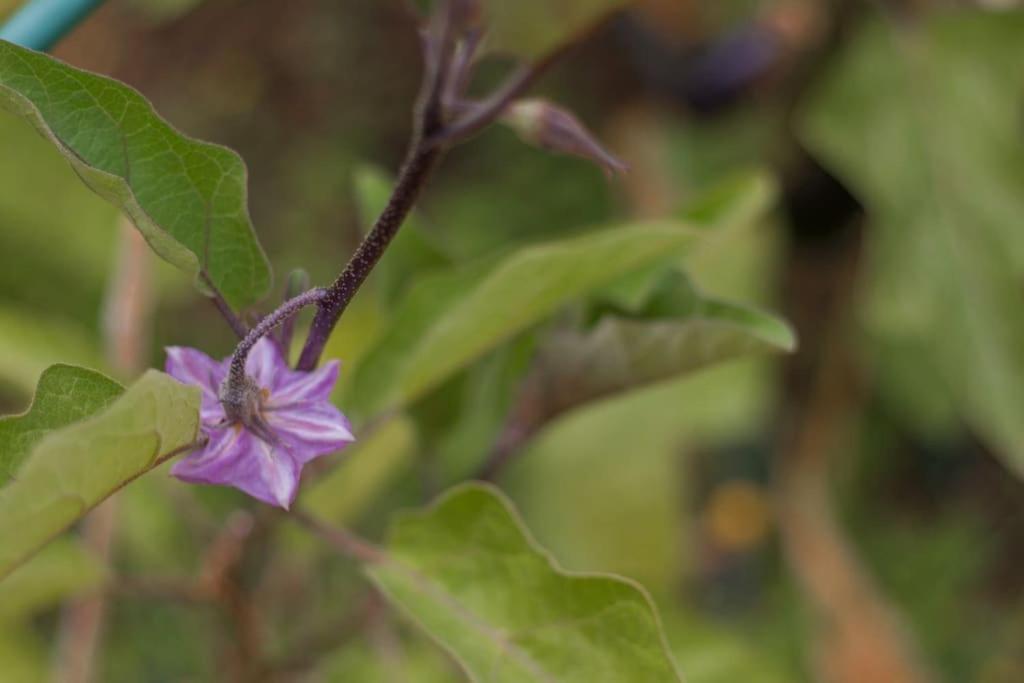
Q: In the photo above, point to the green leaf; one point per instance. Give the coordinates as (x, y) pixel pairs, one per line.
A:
(451, 319)
(65, 394)
(366, 662)
(714, 653)
(921, 121)
(615, 466)
(531, 28)
(461, 420)
(73, 469)
(469, 574)
(188, 198)
(23, 654)
(620, 354)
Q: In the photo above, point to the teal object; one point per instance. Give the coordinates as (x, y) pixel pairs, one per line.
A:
(39, 24)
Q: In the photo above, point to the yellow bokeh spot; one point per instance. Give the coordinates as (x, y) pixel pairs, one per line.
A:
(738, 515)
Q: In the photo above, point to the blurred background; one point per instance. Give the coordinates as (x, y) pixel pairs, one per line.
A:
(851, 512)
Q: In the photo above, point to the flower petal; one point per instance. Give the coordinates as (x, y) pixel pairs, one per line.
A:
(236, 457)
(278, 480)
(311, 429)
(189, 366)
(265, 363)
(214, 463)
(292, 387)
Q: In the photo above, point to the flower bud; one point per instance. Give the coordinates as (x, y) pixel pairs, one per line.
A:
(550, 127)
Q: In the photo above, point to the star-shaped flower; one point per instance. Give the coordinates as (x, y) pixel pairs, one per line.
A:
(293, 423)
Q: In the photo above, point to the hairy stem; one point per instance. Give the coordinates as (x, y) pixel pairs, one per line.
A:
(482, 114)
(342, 540)
(298, 282)
(446, 75)
(236, 373)
(413, 177)
(438, 48)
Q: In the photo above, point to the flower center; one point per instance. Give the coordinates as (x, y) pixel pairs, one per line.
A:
(244, 405)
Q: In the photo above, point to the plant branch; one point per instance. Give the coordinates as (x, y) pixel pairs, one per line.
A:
(413, 177)
(859, 634)
(419, 163)
(446, 73)
(298, 282)
(236, 373)
(342, 540)
(171, 588)
(310, 647)
(479, 116)
(237, 325)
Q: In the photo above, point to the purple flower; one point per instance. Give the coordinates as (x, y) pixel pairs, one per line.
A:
(293, 422)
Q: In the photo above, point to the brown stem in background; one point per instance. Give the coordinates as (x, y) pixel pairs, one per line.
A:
(172, 589)
(80, 633)
(529, 414)
(219, 585)
(342, 540)
(221, 579)
(383, 635)
(311, 646)
(859, 635)
(126, 323)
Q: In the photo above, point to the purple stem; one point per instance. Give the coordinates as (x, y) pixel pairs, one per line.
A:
(236, 374)
(486, 112)
(444, 75)
(438, 49)
(410, 183)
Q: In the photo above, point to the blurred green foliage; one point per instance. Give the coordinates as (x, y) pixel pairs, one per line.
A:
(921, 121)
(918, 115)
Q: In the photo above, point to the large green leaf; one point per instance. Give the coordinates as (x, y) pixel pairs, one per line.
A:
(533, 27)
(73, 469)
(468, 573)
(65, 395)
(188, 198)
(923, 121)
(620, 354)
(451, 319)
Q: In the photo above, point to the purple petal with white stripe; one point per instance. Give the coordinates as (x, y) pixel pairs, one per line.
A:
(312, 429)
(292, 386)
(189, 366)
(211, 464)
(265, 462)
(265, 363)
